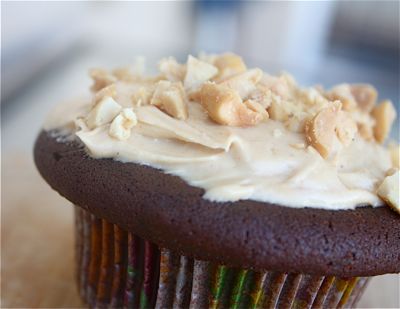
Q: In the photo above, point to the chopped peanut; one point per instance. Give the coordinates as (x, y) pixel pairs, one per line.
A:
(244, 83)
(280, 86)
(225, 106)
(320, 130)
(108, 91)
(346, 128)
(365, 131)
(384, 115)
(102, 113)
(389, 191)
(262, 97)
(365, 96)
(256, 107)
(171, 69)
(276, 110)
(101, 78)
(170, 97)
(228, 64)
(343, 93)
(124, 74)
(198, 72)
(143, 95)
(395, 154)
(122, 124)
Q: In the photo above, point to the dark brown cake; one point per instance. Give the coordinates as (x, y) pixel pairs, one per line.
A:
(167, 213)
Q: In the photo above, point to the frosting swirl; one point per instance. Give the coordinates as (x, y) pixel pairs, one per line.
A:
(238, 133)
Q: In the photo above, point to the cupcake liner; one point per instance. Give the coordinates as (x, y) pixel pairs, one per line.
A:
(119, 269)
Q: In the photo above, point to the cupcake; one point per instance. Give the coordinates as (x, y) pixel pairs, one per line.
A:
(212, 185)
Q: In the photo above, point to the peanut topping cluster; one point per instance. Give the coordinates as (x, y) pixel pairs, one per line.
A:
(233, 95)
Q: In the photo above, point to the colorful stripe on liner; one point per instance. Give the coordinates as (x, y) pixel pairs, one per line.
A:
(117, 269)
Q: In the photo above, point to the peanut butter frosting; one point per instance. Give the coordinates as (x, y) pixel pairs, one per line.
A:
(241, 133)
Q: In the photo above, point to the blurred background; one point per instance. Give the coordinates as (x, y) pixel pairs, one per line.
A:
(47, 48)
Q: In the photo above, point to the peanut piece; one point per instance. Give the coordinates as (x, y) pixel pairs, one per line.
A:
(384, 115)
(343, 93)
(101, 79)
(256, 107)
(365, 96)
(108, 91)
(276, 110)
(244, 83)
(143, 95)
(102, 113)
(170, 97)
(171, 69)
(225, 106)
(197, 72)
(228, 64)
(320, 130)
(346, 128)
(389, 191)
(122, 124)
(395, 154)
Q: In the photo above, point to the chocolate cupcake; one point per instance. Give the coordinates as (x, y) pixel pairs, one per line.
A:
(215, 185)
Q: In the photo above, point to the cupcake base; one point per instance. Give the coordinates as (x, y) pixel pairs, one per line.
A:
(117, 269)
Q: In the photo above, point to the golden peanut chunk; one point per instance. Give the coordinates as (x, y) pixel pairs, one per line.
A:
(389, 191)
(346, 128)
(170, 97)
(256, 107)
(288, 111)
(277, 110)
(124, 74)
(356, 96)
(365, 131)
(228, 64)
(122, 124)
(225, 106)
(101, 78)
(365, 124)
(197, 72)
(102, 113)
(263, 97)
(394, 150)
(143, 95)
(244, 83)
(320, 130)
(108, 91)
(384, 115)
(343, 93)
(171, 69)
(281, 86)
(365, 95)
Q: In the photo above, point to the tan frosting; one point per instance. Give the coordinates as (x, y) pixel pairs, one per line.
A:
(267, 162)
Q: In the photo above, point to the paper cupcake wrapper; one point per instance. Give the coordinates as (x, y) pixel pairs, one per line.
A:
(119, 269)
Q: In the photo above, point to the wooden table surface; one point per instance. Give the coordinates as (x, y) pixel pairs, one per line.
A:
(38, 245)
(37, 240)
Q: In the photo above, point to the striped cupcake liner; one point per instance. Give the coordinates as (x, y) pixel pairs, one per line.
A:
(118, 269)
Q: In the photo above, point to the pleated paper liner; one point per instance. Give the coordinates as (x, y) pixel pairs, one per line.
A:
(118, 269)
